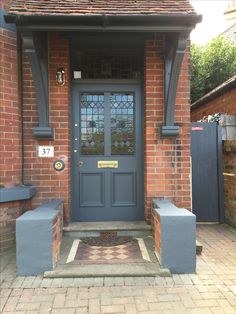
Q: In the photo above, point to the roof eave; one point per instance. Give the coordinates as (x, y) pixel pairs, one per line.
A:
(218, 91)
(73, 22)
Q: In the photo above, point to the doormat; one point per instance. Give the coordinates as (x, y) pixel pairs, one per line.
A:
(107, 241)
(132, 251)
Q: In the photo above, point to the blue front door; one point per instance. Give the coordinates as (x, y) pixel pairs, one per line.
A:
(107, 154)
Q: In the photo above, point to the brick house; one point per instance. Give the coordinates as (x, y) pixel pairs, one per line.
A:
(221, 99)
(94, 107)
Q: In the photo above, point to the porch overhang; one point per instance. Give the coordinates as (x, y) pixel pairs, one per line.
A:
(177, 28)
(104, 22)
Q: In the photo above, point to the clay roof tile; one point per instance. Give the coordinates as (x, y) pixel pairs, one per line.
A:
(100, 7)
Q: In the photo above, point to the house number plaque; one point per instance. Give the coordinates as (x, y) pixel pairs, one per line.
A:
(107, 164)
(45, 151)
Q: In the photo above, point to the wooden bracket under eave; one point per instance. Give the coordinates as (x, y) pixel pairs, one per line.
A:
(175, 47)
(35, 46)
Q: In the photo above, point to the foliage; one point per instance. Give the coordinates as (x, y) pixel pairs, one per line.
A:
(211, 65)
(217, 117)
(197, 73)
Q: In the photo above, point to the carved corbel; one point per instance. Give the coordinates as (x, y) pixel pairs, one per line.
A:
(175, 47)
(34, 48)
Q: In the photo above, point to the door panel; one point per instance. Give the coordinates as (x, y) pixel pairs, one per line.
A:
(107, 128)
(123, 189)
(91, 189)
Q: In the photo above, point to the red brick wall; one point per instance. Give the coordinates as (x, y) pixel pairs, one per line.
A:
(57, 235)
(224, 103)
(229, 170)
(39, 171)
(166, 161)
(157, 232)
(9, 212)
(10, 130)
(10, 118)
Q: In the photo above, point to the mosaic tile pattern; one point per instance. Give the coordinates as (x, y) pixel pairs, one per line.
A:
(125, 253)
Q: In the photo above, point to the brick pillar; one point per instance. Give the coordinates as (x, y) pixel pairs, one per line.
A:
(39, 172)
(60, 116)
(9, 212)
(153, 115)
(166, 160)
(182, 157)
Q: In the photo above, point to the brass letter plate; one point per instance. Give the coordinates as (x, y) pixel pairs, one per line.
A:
(107, 164)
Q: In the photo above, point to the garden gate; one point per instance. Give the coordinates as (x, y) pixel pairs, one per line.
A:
(207, 179)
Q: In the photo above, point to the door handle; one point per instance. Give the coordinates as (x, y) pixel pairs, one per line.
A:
(80, 163)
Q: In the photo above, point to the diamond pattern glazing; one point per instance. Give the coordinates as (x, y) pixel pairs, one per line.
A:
(122, 123)
(92, 124)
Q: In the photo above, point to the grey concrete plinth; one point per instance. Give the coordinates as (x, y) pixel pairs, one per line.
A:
(178, 237)
(34, 238)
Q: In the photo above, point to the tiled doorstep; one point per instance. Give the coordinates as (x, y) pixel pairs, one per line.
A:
(93, 229)
(106, 270)
(71, 269)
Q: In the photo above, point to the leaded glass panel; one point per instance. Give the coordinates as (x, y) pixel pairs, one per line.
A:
(122, 123)
(92, 124)
(97, 66)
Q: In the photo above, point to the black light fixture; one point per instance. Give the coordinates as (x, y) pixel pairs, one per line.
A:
(60, 77)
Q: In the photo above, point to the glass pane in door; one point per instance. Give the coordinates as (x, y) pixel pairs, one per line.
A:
(122, 123)
(92, 124)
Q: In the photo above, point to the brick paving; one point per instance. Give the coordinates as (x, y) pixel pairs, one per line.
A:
(211, 290)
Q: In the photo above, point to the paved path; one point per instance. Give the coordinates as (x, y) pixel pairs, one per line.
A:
(211, 290)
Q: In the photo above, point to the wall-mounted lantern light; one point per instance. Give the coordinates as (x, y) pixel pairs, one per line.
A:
(60, 77)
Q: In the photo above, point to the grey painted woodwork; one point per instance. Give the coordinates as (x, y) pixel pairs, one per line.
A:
(34, 237)
(175, 48)
(16, 193)
(106, 194)
(168, 22)
(35, 47)
(3, 24)
(207, 179)
(178, 237)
